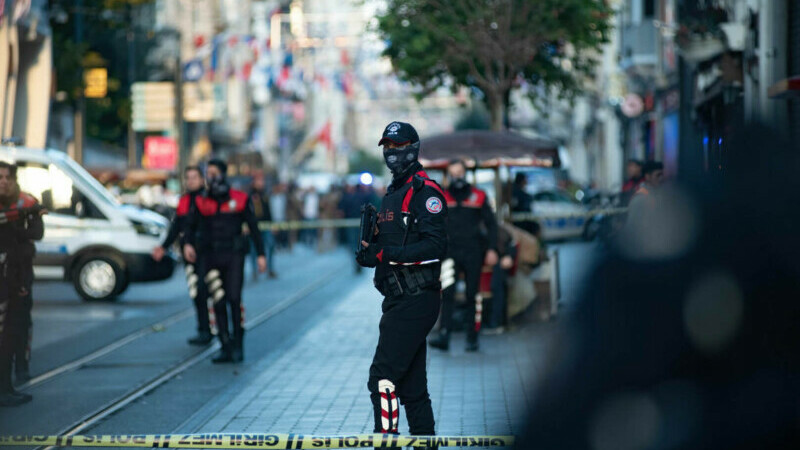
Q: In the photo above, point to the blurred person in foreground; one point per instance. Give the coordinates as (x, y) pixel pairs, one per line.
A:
(195, 187)
(19, 225)
(263, 213)
(471, 243)
(686, 333)
(406, 252)
(216, 243)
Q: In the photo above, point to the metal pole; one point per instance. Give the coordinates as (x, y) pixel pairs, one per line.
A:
(80, 111)
(132, 159)
(183, 156)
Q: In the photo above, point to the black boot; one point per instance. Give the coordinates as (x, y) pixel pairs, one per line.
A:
(22, 372)
(8, 396)
(472, 342)
(14, 399)
(202, 338)
(441, 342)
(22, 376)
(224, 355)
(237, 353)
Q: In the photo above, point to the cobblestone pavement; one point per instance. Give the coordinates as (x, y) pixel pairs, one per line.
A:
(317, 385)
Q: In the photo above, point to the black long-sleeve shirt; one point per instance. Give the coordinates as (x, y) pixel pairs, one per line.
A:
(177, 227)
(261, 207)
(471, 222)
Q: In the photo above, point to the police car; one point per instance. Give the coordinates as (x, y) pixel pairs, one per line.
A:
(564, 217)
(90, 238)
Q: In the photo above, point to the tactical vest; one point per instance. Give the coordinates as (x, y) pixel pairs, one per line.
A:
(398, 227)
(220, 227)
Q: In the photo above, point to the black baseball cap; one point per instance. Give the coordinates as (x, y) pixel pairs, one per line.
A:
(400, 133)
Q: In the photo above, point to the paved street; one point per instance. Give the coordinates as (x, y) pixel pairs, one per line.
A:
(318, 385)
(307, 354)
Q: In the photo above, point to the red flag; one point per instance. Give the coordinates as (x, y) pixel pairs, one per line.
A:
(324, 136)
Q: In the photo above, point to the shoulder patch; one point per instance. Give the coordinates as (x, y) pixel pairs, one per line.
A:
(433, 205)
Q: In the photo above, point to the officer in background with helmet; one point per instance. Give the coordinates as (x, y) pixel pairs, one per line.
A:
(215, 241)
(406, 252)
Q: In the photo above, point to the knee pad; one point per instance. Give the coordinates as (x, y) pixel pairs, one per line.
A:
(448, 273)
(389, 413)
(214, 284)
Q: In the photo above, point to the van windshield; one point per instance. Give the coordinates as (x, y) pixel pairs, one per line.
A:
(76, 170)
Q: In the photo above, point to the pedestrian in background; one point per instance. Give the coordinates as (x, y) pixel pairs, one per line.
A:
(311, 206)
(633, 171)
(507, 252)
(277, 204)
(263, 213)
(522, 202)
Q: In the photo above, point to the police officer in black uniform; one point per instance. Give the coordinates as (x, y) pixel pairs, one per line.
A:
(29, 228)
(10, 284)
(406, 253)
(472, 242)
(215, 240)
(193, 182)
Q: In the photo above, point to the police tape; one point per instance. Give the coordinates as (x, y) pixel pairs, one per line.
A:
(264, 441)
(355, 223)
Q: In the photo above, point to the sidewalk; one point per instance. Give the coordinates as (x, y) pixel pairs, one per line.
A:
(317, 385)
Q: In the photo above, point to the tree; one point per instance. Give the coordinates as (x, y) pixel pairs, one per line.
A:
(495, 44)
(94, 34)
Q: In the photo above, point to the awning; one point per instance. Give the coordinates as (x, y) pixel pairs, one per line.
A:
(489, 149)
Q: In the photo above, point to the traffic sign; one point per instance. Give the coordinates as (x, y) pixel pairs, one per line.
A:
(96, 81)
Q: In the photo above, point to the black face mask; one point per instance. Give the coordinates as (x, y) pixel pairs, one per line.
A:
(218, 187)
(398, 159)
(458, 184)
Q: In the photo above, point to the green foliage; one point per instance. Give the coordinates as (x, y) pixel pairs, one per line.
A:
(94, 34)
(475, 118)
(495, 44)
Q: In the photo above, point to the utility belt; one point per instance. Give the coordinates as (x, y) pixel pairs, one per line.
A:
(409, 280)
(236, 244)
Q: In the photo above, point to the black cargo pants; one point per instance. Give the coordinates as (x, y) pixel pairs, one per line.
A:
(399, 368)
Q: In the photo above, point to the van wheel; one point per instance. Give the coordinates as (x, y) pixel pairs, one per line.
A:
(99, 277)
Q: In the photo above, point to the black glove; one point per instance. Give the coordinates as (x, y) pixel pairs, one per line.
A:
(371, 256)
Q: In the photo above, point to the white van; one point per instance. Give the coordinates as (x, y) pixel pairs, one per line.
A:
(90, 238)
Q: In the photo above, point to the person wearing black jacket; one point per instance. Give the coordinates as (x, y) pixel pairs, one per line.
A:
(29, 227)
(472, 235)
(215, 241)
(20, 223)
(261, 208)
(406, 252)
(193, 182)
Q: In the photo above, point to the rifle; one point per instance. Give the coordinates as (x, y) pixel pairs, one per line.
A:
(369, 220)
